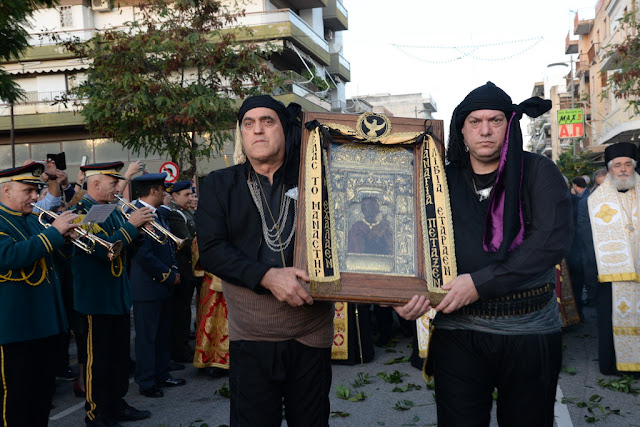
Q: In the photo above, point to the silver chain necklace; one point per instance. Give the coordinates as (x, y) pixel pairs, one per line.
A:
(273, 235)
(484, 193)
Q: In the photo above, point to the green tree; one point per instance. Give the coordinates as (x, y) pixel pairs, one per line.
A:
(624, 82)
(15, 40)
(166, 84)
(578, 165)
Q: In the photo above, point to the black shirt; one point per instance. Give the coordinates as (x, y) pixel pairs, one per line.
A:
(548, 228)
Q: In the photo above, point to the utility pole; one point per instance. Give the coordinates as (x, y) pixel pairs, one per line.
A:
(12, 139)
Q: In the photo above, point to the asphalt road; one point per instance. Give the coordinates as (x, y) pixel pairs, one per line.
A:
(580, 400)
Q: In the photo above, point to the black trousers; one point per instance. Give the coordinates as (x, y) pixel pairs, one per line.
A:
(606, 349)
(468, 366)
(28, 374)
(265, 375)
(107, 370)
(153, 328)
(181, 318)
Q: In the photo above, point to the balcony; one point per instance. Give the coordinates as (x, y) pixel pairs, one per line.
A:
(299, 4)
(44, 48)
(340, 67)
(609, 61)
(570, 46)
(283, 24)
(39, 110)
(582, 27)
(302, 88)
(582, 69)
(335, 16)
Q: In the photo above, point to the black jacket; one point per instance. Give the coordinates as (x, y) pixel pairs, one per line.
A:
(229, 228)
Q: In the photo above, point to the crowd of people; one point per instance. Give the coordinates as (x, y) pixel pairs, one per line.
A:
(81, 257)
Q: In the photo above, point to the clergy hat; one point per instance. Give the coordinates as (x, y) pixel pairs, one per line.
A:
(109, 168)
(620, 149)
(180, 185)
(27, 174)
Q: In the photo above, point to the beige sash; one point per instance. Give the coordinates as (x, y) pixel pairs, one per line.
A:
(610, 215)
(615, 227)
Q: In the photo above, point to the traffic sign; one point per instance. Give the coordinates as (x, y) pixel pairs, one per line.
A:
(571, 123)
(172, 171)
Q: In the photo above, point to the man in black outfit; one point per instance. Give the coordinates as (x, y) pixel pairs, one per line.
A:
(498, 326)
(280, 339)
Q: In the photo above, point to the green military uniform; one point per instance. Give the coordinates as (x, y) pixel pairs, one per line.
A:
(101, 286)
(30, 290)
(32, 315)
(102, 291)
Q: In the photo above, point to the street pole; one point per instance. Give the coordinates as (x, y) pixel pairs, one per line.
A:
(12, 140)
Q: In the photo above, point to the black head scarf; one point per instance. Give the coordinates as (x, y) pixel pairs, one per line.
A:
(504, 225)
(290, 120)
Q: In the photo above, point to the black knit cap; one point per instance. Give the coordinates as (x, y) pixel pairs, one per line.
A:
(504, 225)
(620, 149)
(290, 120)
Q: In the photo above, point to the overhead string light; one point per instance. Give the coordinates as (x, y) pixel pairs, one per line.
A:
(469, 51)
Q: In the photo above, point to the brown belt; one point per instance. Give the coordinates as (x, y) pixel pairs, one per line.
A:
(515, 304)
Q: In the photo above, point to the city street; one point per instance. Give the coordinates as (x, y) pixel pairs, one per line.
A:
(580, 400)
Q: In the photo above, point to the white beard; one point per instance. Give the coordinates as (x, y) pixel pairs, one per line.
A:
(624, 184)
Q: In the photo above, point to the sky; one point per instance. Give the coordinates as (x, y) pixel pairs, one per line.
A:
(447, 48)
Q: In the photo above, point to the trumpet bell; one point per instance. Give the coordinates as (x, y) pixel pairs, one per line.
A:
(114, 250)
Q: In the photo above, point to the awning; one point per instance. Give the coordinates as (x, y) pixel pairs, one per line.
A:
(40, 67)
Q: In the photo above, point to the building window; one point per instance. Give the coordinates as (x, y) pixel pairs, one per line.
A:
(603, 79)
(66, 18)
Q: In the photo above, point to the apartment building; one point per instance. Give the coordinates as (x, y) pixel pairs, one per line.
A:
(607, 119)
(309, 33)
(412, 105)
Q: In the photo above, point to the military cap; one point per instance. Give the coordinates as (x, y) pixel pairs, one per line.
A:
(28, 174)
(180, 185)
(151, 179)
(109, 168)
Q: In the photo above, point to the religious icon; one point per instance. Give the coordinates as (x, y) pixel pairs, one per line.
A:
(368, 208)
(372, 234)
(372, 189)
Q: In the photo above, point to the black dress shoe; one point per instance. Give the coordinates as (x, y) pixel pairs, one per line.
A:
(172, 382)
(173, 366)
(66, 374)
(152, 392)
(129, 413)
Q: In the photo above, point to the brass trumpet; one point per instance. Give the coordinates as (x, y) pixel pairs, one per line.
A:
(164, 233)
(90, 240)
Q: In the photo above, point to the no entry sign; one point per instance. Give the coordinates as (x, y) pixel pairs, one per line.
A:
(172, 171)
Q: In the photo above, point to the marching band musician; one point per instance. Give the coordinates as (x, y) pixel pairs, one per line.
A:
(102, 291)
(154, 276)
(183, 225)
(32, 316)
